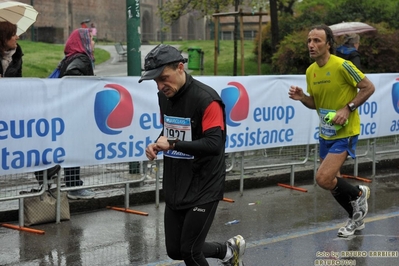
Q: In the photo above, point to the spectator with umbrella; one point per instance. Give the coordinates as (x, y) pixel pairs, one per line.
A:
(10, 51)
(15, 19)
(349, 49)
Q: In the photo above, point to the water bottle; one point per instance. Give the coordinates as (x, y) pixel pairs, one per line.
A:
(232, 222)
(329, 117)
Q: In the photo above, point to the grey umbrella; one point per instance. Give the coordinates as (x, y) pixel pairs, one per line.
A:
(350, 27)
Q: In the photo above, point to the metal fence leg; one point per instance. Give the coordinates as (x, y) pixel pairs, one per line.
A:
(158, 166)
(374, 159)
(242, 174)
(315, 163)
(355, 167)
(127, 195)
(21, 213)
(58, 200)
(292, 175)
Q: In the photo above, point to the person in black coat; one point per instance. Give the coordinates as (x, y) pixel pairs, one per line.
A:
(193, 142)
(349, 50)
(78, 61)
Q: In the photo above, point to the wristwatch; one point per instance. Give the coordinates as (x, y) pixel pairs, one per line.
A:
(351, 107)
(172, 142)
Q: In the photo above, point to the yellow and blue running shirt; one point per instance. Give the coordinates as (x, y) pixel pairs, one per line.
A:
(333, 86)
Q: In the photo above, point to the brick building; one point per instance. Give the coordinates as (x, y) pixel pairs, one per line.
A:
(57, 19)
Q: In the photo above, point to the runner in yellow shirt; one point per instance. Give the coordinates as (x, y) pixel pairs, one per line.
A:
(336, 85)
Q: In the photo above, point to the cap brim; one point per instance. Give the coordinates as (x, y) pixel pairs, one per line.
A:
(151, 74)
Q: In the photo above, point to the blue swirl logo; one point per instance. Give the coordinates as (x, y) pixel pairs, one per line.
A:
(395, 95)
(113, 109)
(236, 100)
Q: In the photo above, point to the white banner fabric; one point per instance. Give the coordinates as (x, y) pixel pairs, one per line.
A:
(95, 120)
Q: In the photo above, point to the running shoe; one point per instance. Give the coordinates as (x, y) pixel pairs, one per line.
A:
(350, 228)
(360, 207)
(237, 245)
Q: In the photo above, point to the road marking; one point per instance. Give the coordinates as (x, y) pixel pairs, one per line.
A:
(290, 236)
(316, 230)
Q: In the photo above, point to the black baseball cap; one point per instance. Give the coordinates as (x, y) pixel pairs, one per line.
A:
(157, 59)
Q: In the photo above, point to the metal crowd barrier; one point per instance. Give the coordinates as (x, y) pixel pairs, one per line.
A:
(382, 147)
(119, 174)
(306, 156)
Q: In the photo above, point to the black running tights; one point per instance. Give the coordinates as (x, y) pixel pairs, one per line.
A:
(186, 231)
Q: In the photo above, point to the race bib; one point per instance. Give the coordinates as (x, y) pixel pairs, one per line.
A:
(177, 127)
(327, 129)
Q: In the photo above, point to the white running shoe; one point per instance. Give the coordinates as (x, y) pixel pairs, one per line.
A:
(360, 207)
(237, 245)
(350, 228)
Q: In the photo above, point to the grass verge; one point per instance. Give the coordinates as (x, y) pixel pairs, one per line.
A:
(225, 59)
(40, 59)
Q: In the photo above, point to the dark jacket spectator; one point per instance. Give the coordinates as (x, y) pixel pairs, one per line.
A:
(78, 61)
(10, 51)
(348, 50)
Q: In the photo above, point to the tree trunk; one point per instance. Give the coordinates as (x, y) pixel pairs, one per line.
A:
(274, 24)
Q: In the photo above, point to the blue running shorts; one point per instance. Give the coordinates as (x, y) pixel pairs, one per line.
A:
(338, 146)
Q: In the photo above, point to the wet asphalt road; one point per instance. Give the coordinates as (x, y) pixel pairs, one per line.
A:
(281, 227)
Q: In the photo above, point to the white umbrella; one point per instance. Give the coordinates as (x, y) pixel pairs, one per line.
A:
(20, 14)
(350, 27)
